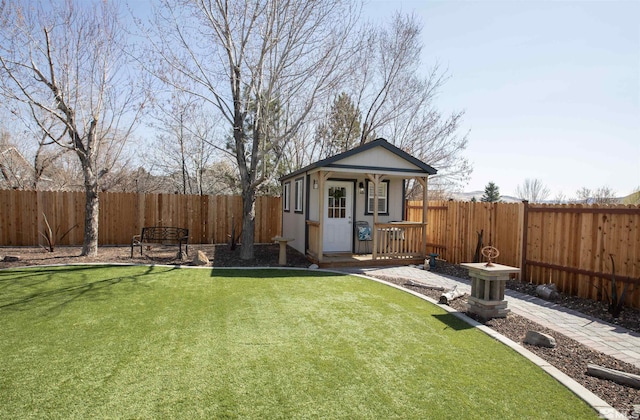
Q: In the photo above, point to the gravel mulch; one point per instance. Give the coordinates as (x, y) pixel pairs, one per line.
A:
(265, 255)
(629, 319)
(569, 356)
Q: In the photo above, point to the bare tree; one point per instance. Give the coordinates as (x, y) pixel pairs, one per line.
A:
(42, 171)
(299, 151)
(141, 181)
(560, 198)
(532, 190)
(583, 195)
(601, 195)
(183, 147)
(392, 100)
(398, 103)
(241, 58)
(64, 62)
(604, 195)
(15, 170)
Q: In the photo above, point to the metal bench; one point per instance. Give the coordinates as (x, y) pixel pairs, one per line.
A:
(161, 235)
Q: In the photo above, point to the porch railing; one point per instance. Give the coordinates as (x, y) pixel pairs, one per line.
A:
(314, 237)
(398, 240)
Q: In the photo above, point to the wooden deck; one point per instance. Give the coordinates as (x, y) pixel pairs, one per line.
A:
(335, 260)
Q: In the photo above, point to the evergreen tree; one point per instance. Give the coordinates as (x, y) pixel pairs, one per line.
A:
(491, 193)
(341, 131)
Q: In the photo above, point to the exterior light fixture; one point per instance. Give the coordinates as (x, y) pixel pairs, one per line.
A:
(361, 187)
(315, 184)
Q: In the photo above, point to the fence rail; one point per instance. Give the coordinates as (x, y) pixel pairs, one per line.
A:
(210, 219)
(568, 245)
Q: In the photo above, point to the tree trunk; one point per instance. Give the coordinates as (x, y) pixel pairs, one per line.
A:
(248, 223)
(618, 376)
(91, 213)
(453, 294)
(91, 208)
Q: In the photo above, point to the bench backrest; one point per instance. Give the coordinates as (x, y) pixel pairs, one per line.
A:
(164, 233)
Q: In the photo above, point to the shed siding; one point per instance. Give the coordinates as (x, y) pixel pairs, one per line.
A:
(293, 224)
(378, 157)
(314, 196)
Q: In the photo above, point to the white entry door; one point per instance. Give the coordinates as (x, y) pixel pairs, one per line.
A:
(338, 227)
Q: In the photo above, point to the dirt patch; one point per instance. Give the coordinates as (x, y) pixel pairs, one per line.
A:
(265, 255)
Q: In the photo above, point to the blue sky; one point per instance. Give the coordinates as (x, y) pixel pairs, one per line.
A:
(551, 89)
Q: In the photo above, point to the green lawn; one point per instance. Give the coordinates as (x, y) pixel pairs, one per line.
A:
(159, 342)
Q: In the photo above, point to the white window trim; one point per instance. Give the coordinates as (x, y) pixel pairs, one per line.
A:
(286, 196)
(384, 197)
(299, 195)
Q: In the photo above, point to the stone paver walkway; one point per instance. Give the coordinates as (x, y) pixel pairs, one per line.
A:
(601, 336)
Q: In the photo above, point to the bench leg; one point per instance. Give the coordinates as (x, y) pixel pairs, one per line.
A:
(132, 245)
(186, 249)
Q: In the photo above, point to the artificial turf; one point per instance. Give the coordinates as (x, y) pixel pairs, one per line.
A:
(166, 342)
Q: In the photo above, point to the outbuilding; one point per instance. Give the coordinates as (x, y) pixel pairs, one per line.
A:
(349, 209)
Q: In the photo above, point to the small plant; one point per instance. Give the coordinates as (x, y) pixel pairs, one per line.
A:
(616, 302)
(233, 239)
(476, 256)
(52, 238)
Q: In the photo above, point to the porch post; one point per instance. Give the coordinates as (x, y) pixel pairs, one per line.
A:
(320, 214)
(425, 203)
(322, 177)
(375, 179)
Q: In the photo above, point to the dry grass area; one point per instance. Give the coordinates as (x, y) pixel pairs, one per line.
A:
(221, 255)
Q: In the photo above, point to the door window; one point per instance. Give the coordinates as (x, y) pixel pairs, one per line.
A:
(337, 207)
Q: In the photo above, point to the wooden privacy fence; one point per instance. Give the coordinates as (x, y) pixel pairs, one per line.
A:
(122, 215)
(568, 245)
(453, 228)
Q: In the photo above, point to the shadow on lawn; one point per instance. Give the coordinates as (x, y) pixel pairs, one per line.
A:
(27, 289)
(452, 322)
(270, 273)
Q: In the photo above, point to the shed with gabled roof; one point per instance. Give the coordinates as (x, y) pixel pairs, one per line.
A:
(322, 202)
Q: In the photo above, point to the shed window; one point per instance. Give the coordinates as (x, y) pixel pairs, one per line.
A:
(299, 195)
(383, 197)
(286, 193)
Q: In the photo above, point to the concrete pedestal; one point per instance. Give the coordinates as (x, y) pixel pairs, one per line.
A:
(282, 257)
(487, 289)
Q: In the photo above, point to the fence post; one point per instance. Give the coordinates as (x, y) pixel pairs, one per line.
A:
(525, 229)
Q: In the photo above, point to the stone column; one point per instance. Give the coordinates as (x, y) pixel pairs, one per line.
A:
(487, 289)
